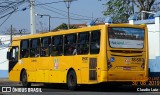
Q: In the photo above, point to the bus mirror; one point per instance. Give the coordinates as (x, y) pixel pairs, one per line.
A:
(9, 55)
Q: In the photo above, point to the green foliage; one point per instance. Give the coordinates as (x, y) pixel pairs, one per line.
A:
(120, 10)
(146, 5)
(63, 26)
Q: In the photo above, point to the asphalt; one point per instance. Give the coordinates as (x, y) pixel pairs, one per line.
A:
(5, 81)
(61, 89)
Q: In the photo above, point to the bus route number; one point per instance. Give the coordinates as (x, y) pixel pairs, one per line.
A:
(84, 59)
(135, 60)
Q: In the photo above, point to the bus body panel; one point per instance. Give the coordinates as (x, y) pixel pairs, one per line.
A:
(128, 76)
(14, 75)
(127, 64)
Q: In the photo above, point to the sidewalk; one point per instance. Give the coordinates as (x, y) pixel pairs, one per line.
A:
(5, 81)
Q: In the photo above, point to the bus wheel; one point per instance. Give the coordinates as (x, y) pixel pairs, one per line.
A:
(25, 83)
(71, 80)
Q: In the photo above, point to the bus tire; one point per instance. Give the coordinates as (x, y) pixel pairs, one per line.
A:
(71, 80)
(24, 80)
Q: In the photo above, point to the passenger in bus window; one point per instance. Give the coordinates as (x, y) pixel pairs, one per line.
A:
(26, 53)
(22, 53)
(70, 50)
(97, 45)
(60, 50)
(44, 51)
(74, 51)
(47, 51)
(36, 52)
(32, 53)
(54, 51)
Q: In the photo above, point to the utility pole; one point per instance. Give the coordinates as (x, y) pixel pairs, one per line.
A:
(49, 20)
(32, 17)
(11, 35)
(49, 23)
(68, 3)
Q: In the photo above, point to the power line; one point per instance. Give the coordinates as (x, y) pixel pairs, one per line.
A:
(9, 6)
(24, 8)
(7, 18)
(48, 3)
(62, 14)
(53, 11)
(44, 6)
(6, 9)
(63, 10)
(70, 18)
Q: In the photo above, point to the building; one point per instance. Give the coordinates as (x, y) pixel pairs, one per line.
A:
(4, 43)
(153, 25)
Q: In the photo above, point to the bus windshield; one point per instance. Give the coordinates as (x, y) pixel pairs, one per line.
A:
(124, 37)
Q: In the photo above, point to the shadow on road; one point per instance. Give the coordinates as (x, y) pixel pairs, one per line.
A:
(99, 88)
(83, 88)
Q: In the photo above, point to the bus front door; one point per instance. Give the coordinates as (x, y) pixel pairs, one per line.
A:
(12, 56)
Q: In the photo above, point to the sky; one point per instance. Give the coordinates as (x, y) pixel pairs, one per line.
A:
(80, 9)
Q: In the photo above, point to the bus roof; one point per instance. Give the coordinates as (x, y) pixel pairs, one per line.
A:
(96, 27)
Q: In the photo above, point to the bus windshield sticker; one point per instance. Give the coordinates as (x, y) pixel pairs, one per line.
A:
(126, 43)
(112, 59)
(84, 59)
(56, 63)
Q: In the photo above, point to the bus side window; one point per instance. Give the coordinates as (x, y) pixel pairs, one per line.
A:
(24, 49)
(70, 44)
(95, 42)
(57, 45)
(83, 43)
(45, 42)
(34, 47)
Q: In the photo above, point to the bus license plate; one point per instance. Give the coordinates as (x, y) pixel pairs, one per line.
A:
(126, 68)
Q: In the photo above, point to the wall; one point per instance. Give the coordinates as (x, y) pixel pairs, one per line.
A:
(153, 26)
(5, 40)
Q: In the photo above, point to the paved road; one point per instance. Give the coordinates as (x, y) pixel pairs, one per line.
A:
(61, 89)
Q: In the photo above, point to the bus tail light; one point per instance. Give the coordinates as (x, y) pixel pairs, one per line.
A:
(109, 65)
(143, 65)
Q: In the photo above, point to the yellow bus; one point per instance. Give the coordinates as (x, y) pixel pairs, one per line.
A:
(90, 55)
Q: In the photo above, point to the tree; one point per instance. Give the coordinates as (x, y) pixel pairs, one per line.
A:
(120, 10)
(42, 27)
(64, 26)
(15, 31)
(144, 5)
